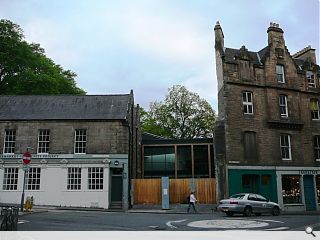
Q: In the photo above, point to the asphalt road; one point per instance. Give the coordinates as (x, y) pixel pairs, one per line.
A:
(65, 220)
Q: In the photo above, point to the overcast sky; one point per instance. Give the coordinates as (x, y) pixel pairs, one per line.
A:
(151, 45)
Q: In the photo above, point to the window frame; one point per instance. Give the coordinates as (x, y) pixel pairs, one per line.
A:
(316, 148)
(246, 103)
(74, 178)
(289, 147)
(95, 178)
(311, 80)
(80, 143)
(281, 73)
(43, 141)
(315, 114)
(10, 179)
(9, 141)
(283, 106)
(33, 179)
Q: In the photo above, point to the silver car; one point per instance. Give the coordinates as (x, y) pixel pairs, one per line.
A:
(248, 203)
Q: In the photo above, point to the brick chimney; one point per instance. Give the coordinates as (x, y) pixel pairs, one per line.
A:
(219, 37)
(307, 53)
(275, 36)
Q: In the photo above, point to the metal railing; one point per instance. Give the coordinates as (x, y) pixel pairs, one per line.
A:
(9, 218)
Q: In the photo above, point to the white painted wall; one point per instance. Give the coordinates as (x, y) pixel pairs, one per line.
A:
(53, 188)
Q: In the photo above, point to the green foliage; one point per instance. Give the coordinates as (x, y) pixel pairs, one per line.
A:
(25, 69)
(183, 114)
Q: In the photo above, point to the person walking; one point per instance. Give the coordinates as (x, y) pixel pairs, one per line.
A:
(192, 202)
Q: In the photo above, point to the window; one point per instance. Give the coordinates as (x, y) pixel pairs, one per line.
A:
(33, 179)
(201, 161)
(95, 178)
(280, 73)
(316, 147)
(74, 178)
(80, 141)
(250, 146)
(184, 160)
(283, 104)
(311, 79)
(285, 146)
(318, 187)
(10, 179)
(247, 102)
(160, 161)
(314, 108)
(43, 140)
(9, 141)
(291, 189)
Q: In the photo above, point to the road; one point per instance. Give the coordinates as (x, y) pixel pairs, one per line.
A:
(66, 220)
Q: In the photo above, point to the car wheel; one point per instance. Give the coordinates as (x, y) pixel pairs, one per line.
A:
(258, 214)
(275, 211)
(230, 214)
(247, 211)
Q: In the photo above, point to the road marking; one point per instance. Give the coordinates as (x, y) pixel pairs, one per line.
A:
(22, 221)
(228, 224)
(275, 221)
(276, 229)
(178, 221)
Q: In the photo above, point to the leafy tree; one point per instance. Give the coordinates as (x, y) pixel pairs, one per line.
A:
(25, 69)
(183, 114)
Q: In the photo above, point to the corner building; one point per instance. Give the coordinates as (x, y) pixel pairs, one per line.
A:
(268, 129)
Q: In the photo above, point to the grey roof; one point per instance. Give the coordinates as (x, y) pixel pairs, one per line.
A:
(64, 107)
(232, 54)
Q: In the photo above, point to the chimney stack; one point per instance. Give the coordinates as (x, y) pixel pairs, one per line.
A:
(219, 37)
(275, 35)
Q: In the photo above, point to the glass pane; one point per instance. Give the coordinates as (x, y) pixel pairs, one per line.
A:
(184, 161)
(201, 161)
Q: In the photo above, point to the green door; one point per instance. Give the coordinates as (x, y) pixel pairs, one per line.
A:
(309, 193)
(116, 188)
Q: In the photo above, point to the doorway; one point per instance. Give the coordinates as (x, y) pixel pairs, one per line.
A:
(116, 188)
(309, 193)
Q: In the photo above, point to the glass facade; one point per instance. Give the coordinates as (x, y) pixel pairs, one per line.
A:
(159, 161)
(179, 161)
(291, 190)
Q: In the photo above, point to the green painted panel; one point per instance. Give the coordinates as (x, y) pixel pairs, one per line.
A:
(257, 181)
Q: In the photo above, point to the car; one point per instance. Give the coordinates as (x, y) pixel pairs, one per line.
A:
(248, 204)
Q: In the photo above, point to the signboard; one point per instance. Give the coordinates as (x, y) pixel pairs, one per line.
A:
(26, 157)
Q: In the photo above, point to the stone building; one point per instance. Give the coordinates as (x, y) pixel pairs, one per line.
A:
(82, 149)
(267, 137)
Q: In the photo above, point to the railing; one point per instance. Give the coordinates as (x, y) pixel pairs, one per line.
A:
(9, 218)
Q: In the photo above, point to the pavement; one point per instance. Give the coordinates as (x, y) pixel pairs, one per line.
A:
(156, 209)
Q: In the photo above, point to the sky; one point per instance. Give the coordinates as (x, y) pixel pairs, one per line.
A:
(150, 45)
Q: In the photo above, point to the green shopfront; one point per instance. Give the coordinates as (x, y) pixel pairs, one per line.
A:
(294, 188)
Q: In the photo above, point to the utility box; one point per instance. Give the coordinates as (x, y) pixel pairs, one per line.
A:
(165, 192)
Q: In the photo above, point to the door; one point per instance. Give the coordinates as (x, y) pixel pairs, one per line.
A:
(116, 187)
(309, 192)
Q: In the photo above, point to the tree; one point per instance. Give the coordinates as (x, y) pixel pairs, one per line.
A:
(25, 69)
(183, 114)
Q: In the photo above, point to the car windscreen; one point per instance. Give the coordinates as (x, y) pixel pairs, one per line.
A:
(238, 196)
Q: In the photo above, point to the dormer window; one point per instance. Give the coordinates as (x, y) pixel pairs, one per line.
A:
(280, 73)
(311, 78)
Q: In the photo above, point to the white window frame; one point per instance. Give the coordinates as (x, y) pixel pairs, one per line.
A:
(80, 141)
(315, 114)
(95, 178)
(311, 78)
(283, 105)
(316, 147)
(284, 146)
(10, 179)
(280, 73)
(74, 178)
(247, 105)
(43, 141)
(9, 141)
(33, 177)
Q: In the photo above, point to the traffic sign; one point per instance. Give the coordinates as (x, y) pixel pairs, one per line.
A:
(26, 157)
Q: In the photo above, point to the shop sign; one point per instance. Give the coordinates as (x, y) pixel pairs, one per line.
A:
(309, 172)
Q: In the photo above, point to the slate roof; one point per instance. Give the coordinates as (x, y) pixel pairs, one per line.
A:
(64, 107)
(232, 54)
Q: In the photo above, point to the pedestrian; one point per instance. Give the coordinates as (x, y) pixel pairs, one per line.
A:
(192, 201)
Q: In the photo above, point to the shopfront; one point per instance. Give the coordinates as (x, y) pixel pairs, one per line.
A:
(298, 188)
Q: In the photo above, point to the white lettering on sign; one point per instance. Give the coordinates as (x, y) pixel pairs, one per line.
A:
(311, 172)
(165, 191)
